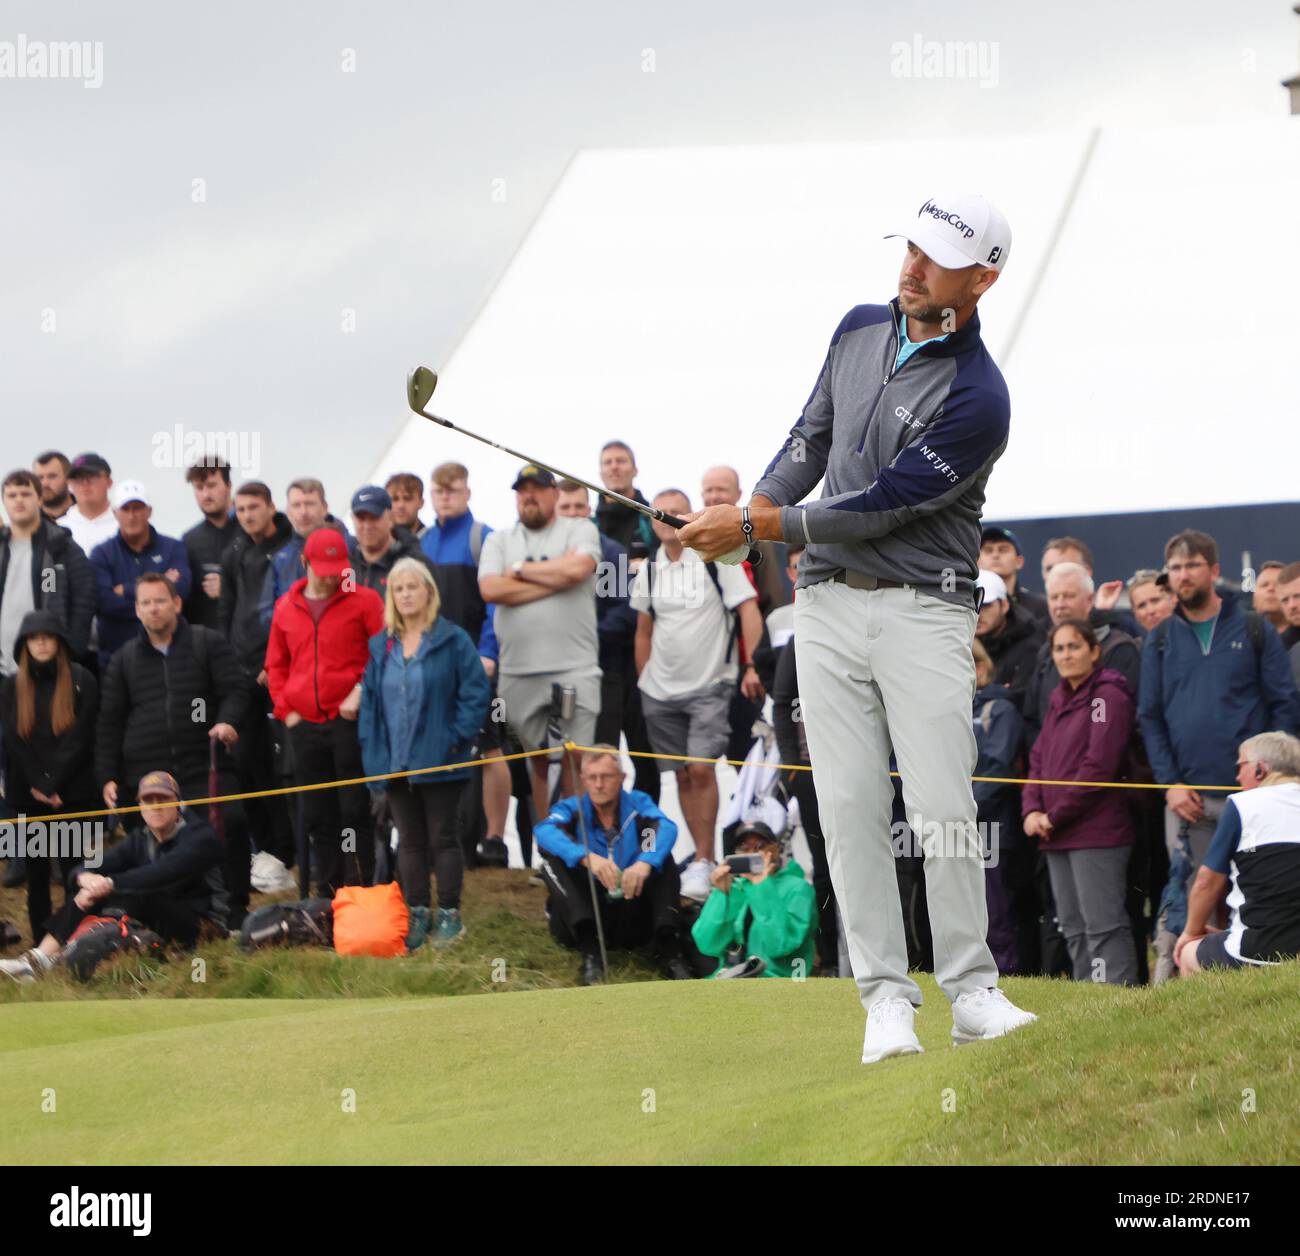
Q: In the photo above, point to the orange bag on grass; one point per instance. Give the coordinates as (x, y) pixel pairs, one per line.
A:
(370, 920)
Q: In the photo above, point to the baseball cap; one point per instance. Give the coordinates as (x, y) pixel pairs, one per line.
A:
(756, 828)
(130, 491)
(370, 499)
(89, 464)
(959, 231)
(326, 552)
(1001, 534)
(158, 783)
(530, 471)
(995, 588)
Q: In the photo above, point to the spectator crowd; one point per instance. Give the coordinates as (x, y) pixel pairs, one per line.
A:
(267, 648)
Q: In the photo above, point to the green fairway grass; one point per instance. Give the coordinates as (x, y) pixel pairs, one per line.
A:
(1198, 1071)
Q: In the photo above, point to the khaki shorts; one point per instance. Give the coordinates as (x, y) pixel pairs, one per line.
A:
(527, 702)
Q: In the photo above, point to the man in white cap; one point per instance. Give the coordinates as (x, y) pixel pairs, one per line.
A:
(903, 426)
(134, 549)
(1011, 636)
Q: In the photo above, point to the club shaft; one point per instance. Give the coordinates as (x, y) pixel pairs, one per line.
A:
(631, 502)
(755, 555)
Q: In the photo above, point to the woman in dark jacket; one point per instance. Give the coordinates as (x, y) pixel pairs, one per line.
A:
(1085, 832)
(424, 696)
(48, 709)
(998, 731)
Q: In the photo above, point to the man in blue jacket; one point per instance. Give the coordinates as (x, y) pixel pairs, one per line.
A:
(1213, 674)
(117, 562)
(621, 838)
(620, 699)
(452, 544)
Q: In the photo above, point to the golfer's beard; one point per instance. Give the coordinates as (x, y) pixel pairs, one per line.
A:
(532, 517)
(1195, 600)
(926, 314)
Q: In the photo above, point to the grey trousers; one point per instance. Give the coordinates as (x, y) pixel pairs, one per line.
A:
(1088, 887)
(882, 670)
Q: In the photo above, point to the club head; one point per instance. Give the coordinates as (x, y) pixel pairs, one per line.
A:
(420, 384)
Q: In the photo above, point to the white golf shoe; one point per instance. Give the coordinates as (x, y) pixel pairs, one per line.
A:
(890, 1030)
(986, 1013)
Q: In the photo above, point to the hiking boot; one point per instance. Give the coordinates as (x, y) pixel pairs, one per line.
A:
(987, 1013)
(419, 926)
(449, 928)
(493, 853)
(592, 972)
(890, 1030)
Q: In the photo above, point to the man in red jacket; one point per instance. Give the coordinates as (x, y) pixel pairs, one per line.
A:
(315, 658)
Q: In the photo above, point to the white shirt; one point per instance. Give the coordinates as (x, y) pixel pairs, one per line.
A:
(89, 532)
(691, 628)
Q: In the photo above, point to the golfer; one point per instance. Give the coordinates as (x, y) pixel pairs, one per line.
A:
(907, 418)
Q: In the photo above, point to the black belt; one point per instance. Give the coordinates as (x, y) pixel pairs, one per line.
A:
(856, 580)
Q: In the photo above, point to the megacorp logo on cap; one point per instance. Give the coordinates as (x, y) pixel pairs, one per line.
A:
(944, 215)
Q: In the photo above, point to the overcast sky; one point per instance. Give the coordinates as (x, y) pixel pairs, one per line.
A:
(265, 213)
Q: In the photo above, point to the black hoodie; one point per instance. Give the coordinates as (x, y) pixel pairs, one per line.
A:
(1014, 652)
(54, 765)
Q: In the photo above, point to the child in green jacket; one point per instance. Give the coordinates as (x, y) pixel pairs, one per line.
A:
(770, 916)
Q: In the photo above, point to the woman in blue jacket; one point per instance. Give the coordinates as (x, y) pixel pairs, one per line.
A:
(424, 696)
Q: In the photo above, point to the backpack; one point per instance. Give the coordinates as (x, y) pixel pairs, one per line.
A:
(712, 569)
(98, 937)
(306, 923)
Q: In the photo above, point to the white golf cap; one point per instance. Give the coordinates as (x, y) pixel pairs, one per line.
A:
(995, 588)
(129, 491)
(959, 231)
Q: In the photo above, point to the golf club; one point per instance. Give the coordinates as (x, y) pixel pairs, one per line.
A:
(420, 384)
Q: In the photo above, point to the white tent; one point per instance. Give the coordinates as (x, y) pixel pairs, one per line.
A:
(682, 300)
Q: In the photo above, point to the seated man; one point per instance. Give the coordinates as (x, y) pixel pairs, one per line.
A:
(621, 838)
(1257, 844)
(761, 924)
(165, 874)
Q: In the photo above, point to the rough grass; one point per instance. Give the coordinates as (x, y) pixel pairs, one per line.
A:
(1200, 1071)
(507, 946)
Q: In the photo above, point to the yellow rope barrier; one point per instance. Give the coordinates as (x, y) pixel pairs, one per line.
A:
(995, 780)
(548, 750)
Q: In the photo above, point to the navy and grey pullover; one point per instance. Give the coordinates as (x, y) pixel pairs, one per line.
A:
(905, 454)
